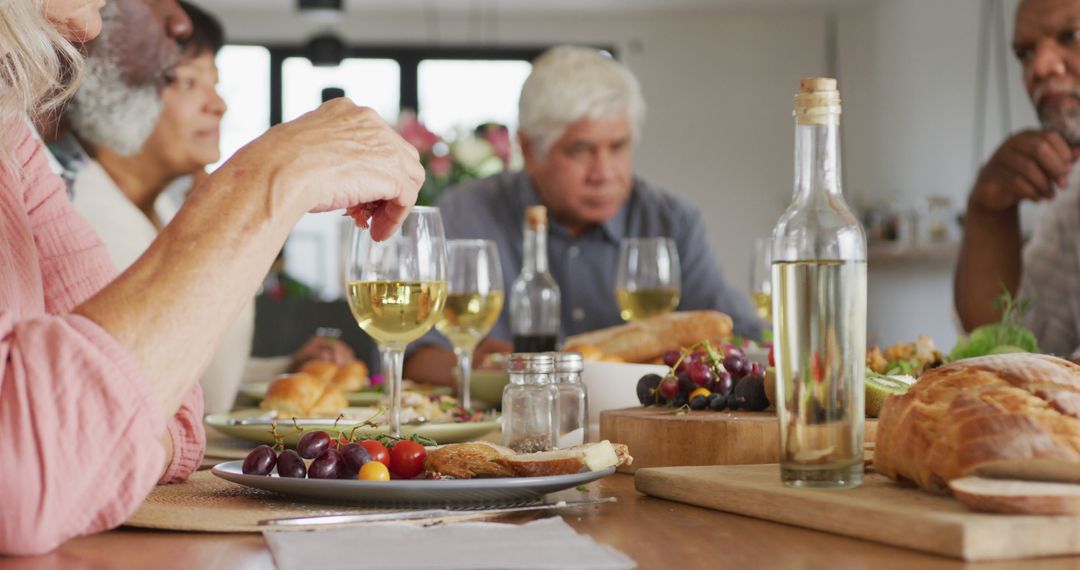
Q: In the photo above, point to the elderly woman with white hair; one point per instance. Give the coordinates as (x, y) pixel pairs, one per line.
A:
(580, 115)
(98, 376)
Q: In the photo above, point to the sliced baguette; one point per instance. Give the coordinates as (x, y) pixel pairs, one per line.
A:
(1017, 497)
(591, 456)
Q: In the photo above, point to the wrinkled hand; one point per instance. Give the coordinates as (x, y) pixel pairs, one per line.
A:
(338, 156)
(323, 348)
(1025, 167)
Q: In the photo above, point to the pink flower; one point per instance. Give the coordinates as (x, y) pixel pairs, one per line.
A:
(416, 133)
(499, 138)
(440, 165)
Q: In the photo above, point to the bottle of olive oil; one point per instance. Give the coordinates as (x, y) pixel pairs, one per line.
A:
(819, 306)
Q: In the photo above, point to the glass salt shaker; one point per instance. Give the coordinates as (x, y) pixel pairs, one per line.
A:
(530, 404)
(573, 399)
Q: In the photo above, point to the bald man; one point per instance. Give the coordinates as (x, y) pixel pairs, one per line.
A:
(1032, 165)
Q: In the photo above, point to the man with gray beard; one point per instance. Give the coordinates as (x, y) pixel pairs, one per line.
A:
(119, 100)
(1032, 165)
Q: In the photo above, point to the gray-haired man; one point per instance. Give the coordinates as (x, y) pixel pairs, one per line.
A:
(580, 114)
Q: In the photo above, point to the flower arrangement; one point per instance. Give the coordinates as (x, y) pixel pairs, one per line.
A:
(486, 150)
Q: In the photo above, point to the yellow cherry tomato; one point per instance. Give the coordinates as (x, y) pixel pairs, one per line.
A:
(374, 471)
(698, 392)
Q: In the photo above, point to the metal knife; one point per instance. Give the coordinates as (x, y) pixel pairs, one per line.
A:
(423, 514)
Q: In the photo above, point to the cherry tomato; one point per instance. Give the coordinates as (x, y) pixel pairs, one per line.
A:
(699, 392)
(407, 457)
(378, 451)
(374, 471)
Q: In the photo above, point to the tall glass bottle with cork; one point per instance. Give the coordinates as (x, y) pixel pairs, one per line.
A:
(534, 297)
(819, 306)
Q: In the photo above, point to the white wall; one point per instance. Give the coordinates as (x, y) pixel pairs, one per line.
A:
(718, 84)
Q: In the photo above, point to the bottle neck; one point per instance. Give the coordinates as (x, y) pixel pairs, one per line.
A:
(536, 258)
(817, 161)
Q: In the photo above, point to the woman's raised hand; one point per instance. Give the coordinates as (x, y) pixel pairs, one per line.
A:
(337, 156)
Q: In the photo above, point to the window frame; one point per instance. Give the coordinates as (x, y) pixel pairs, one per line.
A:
(408, 57)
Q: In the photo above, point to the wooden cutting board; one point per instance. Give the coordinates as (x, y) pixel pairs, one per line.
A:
(659, 437)
(879, 510)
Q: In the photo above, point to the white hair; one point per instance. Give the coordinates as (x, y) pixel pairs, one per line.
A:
(107, 111)
(570, 83)
(39, 69)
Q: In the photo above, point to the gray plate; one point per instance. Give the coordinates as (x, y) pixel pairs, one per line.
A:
(413, 492)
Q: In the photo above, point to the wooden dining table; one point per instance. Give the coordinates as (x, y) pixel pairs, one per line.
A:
(656, 533)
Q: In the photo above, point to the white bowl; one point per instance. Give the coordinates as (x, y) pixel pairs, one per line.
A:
(759, 354)
(613, 385)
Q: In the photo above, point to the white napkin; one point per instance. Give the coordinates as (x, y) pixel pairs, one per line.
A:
(538, 545)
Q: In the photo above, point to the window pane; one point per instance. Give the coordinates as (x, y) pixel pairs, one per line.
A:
(313, 250)
(374, 83)
(466, 93)
(244, 83)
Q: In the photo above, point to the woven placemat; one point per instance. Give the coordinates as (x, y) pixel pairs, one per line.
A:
(206, 503)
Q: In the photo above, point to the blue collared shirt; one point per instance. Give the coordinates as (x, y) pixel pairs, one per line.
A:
(494, 208)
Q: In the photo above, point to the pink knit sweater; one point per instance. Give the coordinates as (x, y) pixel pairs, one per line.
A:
(80, 431)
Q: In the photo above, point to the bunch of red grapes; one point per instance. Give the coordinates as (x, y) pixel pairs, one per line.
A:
(703, 377)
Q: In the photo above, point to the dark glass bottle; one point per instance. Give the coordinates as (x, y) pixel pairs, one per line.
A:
(534, 297)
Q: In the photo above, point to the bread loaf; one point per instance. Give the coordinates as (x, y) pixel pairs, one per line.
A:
(1017, 497)
(1009, 416)
(647, 339)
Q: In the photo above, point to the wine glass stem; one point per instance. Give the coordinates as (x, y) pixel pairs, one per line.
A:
(464, 362)
(393, 360)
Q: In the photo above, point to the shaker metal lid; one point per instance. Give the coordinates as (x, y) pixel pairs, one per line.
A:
(532, 362)
(569, 361)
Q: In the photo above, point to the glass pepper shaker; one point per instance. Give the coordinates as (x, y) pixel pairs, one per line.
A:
(573, 399)
(530, 404)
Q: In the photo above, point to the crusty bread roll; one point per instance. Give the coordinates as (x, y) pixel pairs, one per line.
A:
(351, 377)
(1009, 416)
(320, 369)
(647, 339)
(303, 395)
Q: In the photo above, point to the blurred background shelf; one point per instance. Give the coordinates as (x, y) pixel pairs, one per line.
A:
(939, 253)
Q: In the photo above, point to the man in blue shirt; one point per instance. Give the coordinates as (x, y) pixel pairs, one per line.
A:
(580, 114)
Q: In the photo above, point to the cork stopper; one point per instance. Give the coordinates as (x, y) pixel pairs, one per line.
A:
(536, 216)
(817, 102)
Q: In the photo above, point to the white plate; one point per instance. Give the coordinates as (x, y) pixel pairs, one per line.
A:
(412, 492)
(232, 423)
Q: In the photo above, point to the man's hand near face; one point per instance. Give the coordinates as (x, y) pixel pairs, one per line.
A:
(1031, 165)
(1027, 166)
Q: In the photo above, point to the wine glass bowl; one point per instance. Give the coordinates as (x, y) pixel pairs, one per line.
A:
(647, 278)
(473, 304)
(761, 279)
(396, 289)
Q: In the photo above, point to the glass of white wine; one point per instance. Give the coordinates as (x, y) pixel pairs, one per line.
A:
(647, 277)
(761, 279)
(396, 289)
(473, 304)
